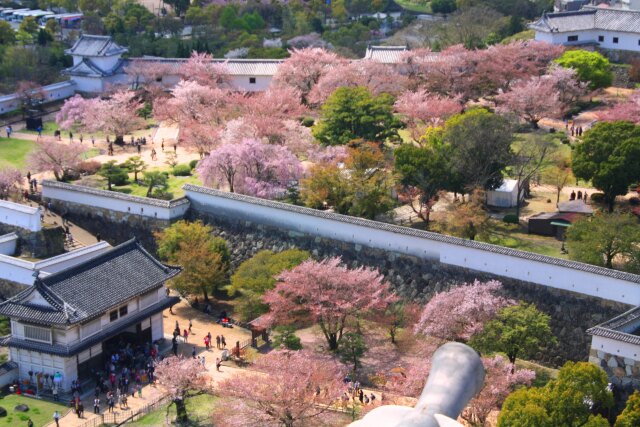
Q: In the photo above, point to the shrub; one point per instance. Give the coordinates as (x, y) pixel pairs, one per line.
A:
(597, 197)
(511, 219)
(193, 163)
(443, 6)
(162, 195)
(308, 122)
(182, 170)
(89, 167)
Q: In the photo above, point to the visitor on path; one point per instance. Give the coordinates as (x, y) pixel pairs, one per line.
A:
(190, 325)
(139, 147)
(361, 396)
(174, 346)
(175, 148)
(110, 402)
(162, 145)
(56, 418)
(8, 130)
(579, 195)
(218, 364)
(202, 360)
(93, 140)
(206, 342)
(39, 129)
(223, 342)
(185, 335)
(584, 199)
(56, 398)
(70, 136)
(193, 352)
(153, 154)
(218, 341)
(572, 196)
(96, 405)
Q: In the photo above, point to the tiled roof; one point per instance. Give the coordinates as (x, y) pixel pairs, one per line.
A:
(108, 332)
(235, 67)
(589, 18)
(87, 68)
(575, 206)
(618, 327)
(621, 275)
(115, 195)
(89, 289)
(385, 54)
(89, 45)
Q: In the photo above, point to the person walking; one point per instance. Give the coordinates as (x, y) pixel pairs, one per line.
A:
(190, 325)
(223, 342)
(96, 405)
(55, 394)
(56, 418)
(218, 364)
(185, 334)
(206, 342)
(193, 352)
(218, 342)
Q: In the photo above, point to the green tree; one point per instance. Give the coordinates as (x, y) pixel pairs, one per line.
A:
(591, 67)
(285, 337)
(29, 25)
(155, 179)
(480, 144)
(609, 155)
(630, 417)
(353, 113)
(204, 258)
(256, 275)
(602, 238)
(7, 35)
(135, 165)
(518, 331)
(113, 173)
(568, 401)
(352, 348)
(424, 168)
(443, 6)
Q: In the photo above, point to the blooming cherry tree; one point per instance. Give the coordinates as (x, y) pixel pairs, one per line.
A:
(201, 68)
(182, 378)
(73, 111)
(50, 155)
(629, 110)
(10, 180)
(531, 100)
(423, 108)
(251, 167)
(116, 115)
(329, 293)
(461, 312)
(286, 388)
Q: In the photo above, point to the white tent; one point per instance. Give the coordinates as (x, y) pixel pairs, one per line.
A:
(505, 196)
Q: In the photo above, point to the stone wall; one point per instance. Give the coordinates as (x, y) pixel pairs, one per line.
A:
(45, 243)
(418, 280)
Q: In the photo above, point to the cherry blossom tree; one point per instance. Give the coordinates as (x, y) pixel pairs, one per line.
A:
(201, 68)
(116, 115)
(183, 378)
(30, 93)
(330, 154)
(461, 312)
(329, 293)
(10, 180)
(61, 159)
(500, 380)
(304, 68)
(626, 111)
(287, 388)
(73, 111)
(251, 167)
(148, 76)
(423, 108)
(566, 82)
(531, 100)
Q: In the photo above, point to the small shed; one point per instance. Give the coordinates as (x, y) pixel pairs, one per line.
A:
(552, 223)
(505, 196)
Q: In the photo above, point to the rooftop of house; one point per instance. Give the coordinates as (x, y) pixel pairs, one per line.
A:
(88, 68)
(385, 54)
(89, 289)
(90, 45)
(589, 18)
(235, 67)
(575, 206)
(625, 327)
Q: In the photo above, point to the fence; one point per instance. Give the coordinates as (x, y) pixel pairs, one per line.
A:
(123, 417)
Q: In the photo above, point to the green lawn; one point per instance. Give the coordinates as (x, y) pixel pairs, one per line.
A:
(175, 186)
(513, 236)
(40, 411)
(48, 128)
(199, 409)
(13, 152)
(420, 6)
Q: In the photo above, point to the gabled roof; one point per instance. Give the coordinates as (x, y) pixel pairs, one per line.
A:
(621, 328)
(589, 18)
(385, 54)
(89, 289)
(89, 45)
(235, 67)
(87, 68)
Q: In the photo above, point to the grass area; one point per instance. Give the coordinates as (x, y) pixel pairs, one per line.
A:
(13, 152)
(175, 186)
(40, 411)
(48, 128)
(91, 152)
(513, 236)
(420, 6)
(543, 373)
(199, 409)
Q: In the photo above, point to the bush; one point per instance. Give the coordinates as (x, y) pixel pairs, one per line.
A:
(89, 167)
(597, 197)
(634, 201)
(162, 195)
(308, 122)
(511, 219)
(285, 337)
(193, 164)
(443, 6)
(182, 170)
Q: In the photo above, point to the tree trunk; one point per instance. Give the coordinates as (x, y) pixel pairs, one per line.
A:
(558, 195)
(109, 183)
(332, 340)
(611, 201)
(609, 262)
(206, 296)
(181, 411)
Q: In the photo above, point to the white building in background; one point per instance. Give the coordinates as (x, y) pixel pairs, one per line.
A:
(505, 196)
(603, 27)
(98, 63)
